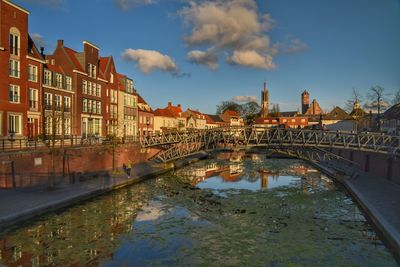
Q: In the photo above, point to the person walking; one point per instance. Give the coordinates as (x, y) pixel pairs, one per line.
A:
(129, 168)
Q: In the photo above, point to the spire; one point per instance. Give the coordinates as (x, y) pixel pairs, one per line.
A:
(265, 85)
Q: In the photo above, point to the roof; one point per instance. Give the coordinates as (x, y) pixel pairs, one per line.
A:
(55, 68)
(104, 63)
(337, 113)
(393, 112)
(231, 113)
(175, 110)
(141, 100)
(357, 112)
(215, 118)
(32, 49)
(289, 113)
(71, 53)
(163, 113)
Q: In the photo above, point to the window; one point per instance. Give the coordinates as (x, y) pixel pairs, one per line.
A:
(84, 87)
(32, 73)
(67, 126)
(68, 83)
(59, 80)
(49, 125)
(93, 104)
(89, 88)
(57, 102)
(33, 98)
(84, 105)
(96, 126)
(47, 77)
(14, 123)
(99, 90)
(14, 68)
(111, 78)
(92, 70)
(89, 106)
(58, 126)
(13, 95)
(98, 107)
(114, 96)
(14, 42)
(67, 104)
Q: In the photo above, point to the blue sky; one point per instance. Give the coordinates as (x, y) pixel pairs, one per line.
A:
(327, 47)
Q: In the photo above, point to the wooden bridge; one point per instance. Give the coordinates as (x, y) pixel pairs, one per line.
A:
(311, 144)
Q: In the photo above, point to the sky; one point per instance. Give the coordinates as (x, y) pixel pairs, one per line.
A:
(200, 52)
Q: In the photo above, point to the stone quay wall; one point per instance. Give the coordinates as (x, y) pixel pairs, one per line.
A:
(27, 168)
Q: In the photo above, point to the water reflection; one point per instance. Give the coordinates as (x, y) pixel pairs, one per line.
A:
(238, 170)
(289, 214)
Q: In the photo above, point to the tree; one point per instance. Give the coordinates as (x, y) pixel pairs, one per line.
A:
(228, 105)
(250, 111)
(396, 98)
(275, 111)
(356, 96)
(377, 99)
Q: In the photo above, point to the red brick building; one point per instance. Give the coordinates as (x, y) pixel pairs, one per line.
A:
(21, 90)
(108, 69)
(89, 86)
(287, 122)
(145, 117)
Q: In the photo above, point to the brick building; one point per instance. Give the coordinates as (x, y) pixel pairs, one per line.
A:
(89, 87)
(145, 117)
(309, 109)
(287, 122)
(21, 85)
(108, 69)
(127, 107)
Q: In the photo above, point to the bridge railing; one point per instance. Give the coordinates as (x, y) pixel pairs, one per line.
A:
(266, 136)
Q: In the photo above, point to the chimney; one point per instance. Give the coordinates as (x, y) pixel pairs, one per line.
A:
(60, 43)
(42, 51)
(179, 105)
(169, 104)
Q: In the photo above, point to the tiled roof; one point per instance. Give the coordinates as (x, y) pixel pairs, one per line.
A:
(231, 113)
(337, 113)
(214, 118)
(163, 113)
(289, 113)
(55, 68)
(176, 111)
(71, 53)
(141, 100)
(358, 112)
(393, 112)
(103, 63)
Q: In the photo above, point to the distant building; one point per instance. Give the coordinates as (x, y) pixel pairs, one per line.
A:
(338, 119)
(195, 119)
(169, 118)
(391, 120)
(232, 117)
(214, 121)
(309, 109)
(264, 102)
(145, 117)
(287, 122)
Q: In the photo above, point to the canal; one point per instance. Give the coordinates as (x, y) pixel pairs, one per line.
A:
(233, 209)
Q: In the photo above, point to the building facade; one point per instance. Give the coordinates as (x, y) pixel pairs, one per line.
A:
(20, 79)
(145, 118)
(127, 108)
(264, 102)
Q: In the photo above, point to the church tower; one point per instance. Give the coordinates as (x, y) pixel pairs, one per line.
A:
(305, 101)
(264, 102)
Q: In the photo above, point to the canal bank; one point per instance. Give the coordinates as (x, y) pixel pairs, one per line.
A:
(378, 198)
(18, 206)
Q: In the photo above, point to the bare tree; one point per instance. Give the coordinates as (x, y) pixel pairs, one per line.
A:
(396, 98)
(356, 96)
(377, 99)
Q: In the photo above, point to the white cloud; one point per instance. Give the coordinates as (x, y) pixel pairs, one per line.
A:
(230, 26)
(150, 60)
(252, 59)
(244, 98)
(295, 46)
(38, 40)
(128, 4)
(207, 58)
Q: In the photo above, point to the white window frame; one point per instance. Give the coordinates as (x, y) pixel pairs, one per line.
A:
(14, 124)
(84, 87)
(68, 83)
(59, 80)
(16, 95)
(14, 68)
(34, 97)
(32, 73)
(47, 78)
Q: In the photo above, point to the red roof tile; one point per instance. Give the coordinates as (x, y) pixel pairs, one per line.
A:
(71, 53)
(163, 113)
